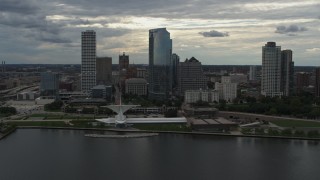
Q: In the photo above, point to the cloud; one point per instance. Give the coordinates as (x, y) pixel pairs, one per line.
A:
(25, 24)
(313, 50)
(214, 33)
(18, 6)
(290, 29)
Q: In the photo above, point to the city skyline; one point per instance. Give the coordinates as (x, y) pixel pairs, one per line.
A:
(216, 33)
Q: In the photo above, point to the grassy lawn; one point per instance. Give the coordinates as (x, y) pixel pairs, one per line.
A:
(60, 116)
(295, 123)
(4, 115)
(44, 123)
(76, 123)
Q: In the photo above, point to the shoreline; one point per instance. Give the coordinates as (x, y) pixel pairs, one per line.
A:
(8, 133)
(165, 132)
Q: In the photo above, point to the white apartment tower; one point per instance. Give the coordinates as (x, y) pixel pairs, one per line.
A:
(88, 60)
(271, 70)
(227, 90)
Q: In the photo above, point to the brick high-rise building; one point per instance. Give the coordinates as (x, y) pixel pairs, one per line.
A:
(104, 70)
(302, 81)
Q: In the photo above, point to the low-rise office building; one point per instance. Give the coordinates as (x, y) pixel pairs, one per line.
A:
(193, 96)
(136, 86)
(102, 91)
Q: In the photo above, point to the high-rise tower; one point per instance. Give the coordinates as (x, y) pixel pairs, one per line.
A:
(253, 73)
(287, 73)
(88, 60)
(104, 70)
(175, 64)
(123, 61)
(160, 64)
(190, 76)
(271, 70)
(317, 82)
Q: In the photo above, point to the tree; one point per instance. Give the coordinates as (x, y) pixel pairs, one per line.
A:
(251, 99)
(56, 105)
(170, 113)
(286, 132)
(273, 111)
(313, 134)
(222, 105)
(272, 132)
(8, 110)
(299, 133)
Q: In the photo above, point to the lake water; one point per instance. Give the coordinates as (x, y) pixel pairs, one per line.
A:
(35, 154)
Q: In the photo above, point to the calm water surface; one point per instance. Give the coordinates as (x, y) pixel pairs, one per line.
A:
(63, 154)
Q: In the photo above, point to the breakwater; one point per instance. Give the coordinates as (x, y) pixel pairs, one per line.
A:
(166, 132)
(139, 135)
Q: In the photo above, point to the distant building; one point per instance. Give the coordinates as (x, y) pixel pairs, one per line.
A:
(253, 73)
(227, 90)
(238, 78)
(115, 77)
(49, 84)
(271, 70)
(3, 66)
(191, 76)
(287, 73)
(66, 86)
(68, 96)
(317, 84)
(27, 96)
(102, 91)
(88, 60)
(302, 81)
(104, 70)
(141, 73)
(175, 64)
(131, 72)
(136, 86)
(160, 64)
(193, 96)
(123, 61)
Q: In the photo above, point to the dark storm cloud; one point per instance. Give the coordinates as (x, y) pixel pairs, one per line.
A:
(36, 22)
(28, 17)
(214, 33)
(53, 39)
(60, 21)
(18, 6)
(75, 21)
(290, 29)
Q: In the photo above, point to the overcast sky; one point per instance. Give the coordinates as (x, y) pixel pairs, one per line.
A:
(214, 31)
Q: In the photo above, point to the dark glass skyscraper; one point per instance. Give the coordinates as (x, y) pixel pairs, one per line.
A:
(123, 61)
(317, 84)
(175, 64)
(287, 72)
(160, 64)
(49, 84)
